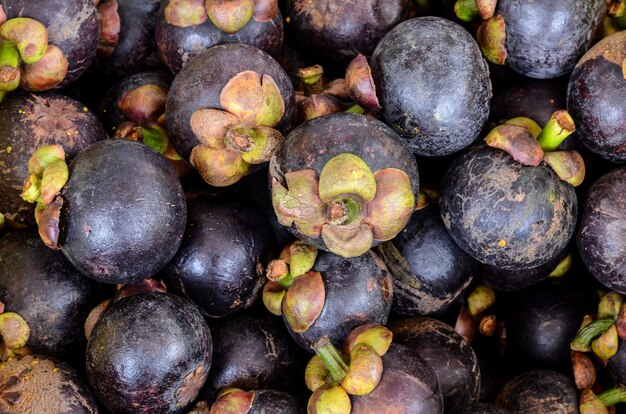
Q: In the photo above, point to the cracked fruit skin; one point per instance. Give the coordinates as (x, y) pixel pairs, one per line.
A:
(506, 214)
(313, 144)
(123, 214)
(433, 85)
(142, 351)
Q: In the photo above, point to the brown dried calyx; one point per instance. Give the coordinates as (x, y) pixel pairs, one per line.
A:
(229, 16)
(14, 332)
(474, 316)
(242, 133)
(318, 96)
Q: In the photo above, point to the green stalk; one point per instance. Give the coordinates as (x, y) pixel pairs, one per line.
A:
(614, 395)
(559, 127)
(332, 359)
(582, 341)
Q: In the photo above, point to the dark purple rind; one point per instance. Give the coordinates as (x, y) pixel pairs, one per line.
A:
(358, 291)
(487, 197)
(73, 27)
(142, 348)
(315, 142)
(544, 39)
(451, 358)
(617, 363)
(42, 287)
(480, 408)
(539, 392)
(408, 385)
(433, 85)
(220, 265)
(276, 402)
(600, 237)
(340, 30)
(124, 212)
(179, 45)
(206, 76)
(24, 128)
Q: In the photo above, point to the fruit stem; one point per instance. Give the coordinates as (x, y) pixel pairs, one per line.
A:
(582, 341)
(332, 359)
(311, 78)
(9, 66)
(343, 211)
(466, 10)
(560, 126)
(613, 396)
(241, 138)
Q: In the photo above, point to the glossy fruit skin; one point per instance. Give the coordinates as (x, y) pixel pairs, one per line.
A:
(179, 45)
(433, 85)
(72, 25)
(207, 75)
(220, 265)
(339, 30)
(142, 350)
(600, 237)
(42, 287)
(28, 122)
(595, 98)
(506, 214)
(124, 212)
(358, 291)
(452, 359)
(275, 402)
(408, 385)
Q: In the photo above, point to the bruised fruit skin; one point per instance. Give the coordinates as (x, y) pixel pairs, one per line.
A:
(149, 353)
(343, 165)
(178, 45)
(123, 212)
(595, 98)
(37, 384)
(433, 85)
(451, 358)
(600, 238)
(539, 392)
(28, 122)
(408, 384)
(72, 25)
(506, 214)
(429, 270)
(220, 265)
(44, 288)
(339, 30)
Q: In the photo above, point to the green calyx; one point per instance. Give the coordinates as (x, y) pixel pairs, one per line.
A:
(295, 260)
(610, 305)
(491, 38)
(560, 126)
(9, 66)
(563, 267)
(346, 174)
(466, 10)
(233, 401)
(356, 109)
(480, 299)
(590, 403)
(29, 35)
(527, 123)
(582, 341)
(613, 396)
(615, 8)
(155, 137)
(15, 332)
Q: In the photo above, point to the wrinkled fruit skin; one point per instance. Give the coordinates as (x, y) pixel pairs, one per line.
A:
(600, 239)
(72, 25)
(275, 402)
(541, 46)
(539, 392)
(314, 143)
(220, 265)
(339, 30)
(142, 351)
(506, 214)
(358, 291)
(179, 45)
(207, 75)
(433, 85)
(595, 98)
(452, 359)
(124, 212)
(438, 269)
(28, 122)
(408, 385)
(42, 287)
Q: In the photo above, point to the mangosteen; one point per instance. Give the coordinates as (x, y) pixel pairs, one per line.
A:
(429, 270)
(540, 39)
(120, 217)
(480, 408)
(126, 35)
(319, 96)
(243, 102)
(600, 237)
(344, 183)
(29, 121)
(42, 287)
(257, 402)
(186, 28)
(432, 83)
(595, 98)
(56, 39)
(539, 392)
(251, 353)
(451, 358)
(149, 353)
(220, 265)
(38, 384)
(339, 30)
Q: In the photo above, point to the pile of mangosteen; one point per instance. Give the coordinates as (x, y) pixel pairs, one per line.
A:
(312, 206)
